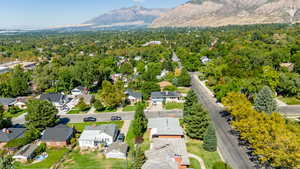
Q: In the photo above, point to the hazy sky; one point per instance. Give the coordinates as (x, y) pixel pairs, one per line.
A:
(62, 12)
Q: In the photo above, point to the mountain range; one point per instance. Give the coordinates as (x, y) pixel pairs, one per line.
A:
(200, 13)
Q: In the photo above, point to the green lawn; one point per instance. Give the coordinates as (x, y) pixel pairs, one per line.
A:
(9, 115)
(184, 90)
(290, 100)
(194, 163)
(91, 160)
(195, 147)
(54, 155)
(106, 111)
(129, 108)
(74, 111)
(171, 106)
(80, 126)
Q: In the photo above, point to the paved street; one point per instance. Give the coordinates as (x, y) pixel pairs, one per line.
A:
(227, 143)
(78, 118)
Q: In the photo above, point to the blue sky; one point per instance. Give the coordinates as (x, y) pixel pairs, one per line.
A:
(62, 12)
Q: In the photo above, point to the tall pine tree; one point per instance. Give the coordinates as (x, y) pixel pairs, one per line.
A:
(140, 121)
(264, 101)
(210, 139)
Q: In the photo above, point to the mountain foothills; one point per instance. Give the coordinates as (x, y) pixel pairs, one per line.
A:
(230, 12)
(135, 15)
(202, 13)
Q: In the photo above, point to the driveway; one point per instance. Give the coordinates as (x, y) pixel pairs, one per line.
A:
(125, 127)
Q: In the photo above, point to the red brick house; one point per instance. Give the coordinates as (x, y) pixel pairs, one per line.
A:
(58, 136)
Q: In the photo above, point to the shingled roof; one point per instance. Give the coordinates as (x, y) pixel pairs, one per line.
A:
(58, 133)
(8, 134)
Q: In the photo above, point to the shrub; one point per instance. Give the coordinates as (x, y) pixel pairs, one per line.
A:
(221, 165)
(14, 110)
(41, 148)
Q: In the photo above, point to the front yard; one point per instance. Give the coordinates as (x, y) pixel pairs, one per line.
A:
(129, 108)
(91, 160)
(54, 155)
(173, 105)
(194, 163)
(195, 147)
(10, 115)
(80, 126)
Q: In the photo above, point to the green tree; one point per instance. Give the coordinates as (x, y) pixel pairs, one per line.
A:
(148, 87)
(4, 122)
(138, 158)
(264, 101)
(41, 114)
(140, 121)
(190, 99)
(196, 121)
(19, 82)
(82, 106)
(210, 139)
(112, 95)
(184, 79)
(6, 162)
(98, 105)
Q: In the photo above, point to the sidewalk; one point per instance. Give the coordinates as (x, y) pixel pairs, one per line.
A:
(200, 160)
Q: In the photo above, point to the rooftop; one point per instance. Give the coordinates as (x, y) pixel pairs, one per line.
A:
(164, 94)
(7, 101)
(165, 126)
(57, 133)
(8, 134)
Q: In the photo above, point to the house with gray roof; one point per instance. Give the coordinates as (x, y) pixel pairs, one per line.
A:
(167, 153)
(25, 153)
(165, 96)
(8, 134)
(95, 136)
(57, 99)
(58, 136)
(117, 150)
(133, 96)
(165, 128)
(7, 102)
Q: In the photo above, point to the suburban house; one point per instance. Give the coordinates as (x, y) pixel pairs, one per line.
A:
(95, 136)
(152, 43)
(25, 153)
(7, 102)
(58, 136)
(165, 97)
(57, 99)
(205, 59)
(117, 150)
(133, 97)
(165, 128)
(288, 66)
(162, 74)
(3, 69)
(167, 153)
(8, 134)
(164, 84)
(80, 90)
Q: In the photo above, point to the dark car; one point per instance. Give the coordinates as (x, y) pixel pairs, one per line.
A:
(121, 137)
(89, 119)
(115, 118)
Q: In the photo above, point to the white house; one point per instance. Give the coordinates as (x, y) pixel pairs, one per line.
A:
(95, 136)
(78, 91)
(117, 150)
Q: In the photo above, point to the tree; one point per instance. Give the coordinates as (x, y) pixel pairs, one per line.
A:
(210, 139)
(98, 105)
(19, 82)
(6, 162)
(82, 106)
(4, 122)
(196, 121)
(184, 79)
(41, 114)
(140, 121)
(138, 158)
(190, 99)
(264, 101)
(148, 87)
(112, 95)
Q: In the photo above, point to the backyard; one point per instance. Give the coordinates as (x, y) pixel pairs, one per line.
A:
(54, 155)
(195, 147)
(80, 126)
(91, 160)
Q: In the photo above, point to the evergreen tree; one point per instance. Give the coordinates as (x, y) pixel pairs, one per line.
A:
(190, 99)
(184, 79)
(210, 139)
(196, 121)
(4, 122)
(264, 101)
(138, 158)
(41, 114)
(140, 121)
(6, 162)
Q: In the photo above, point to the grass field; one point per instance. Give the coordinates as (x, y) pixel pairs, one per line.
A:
(91, 160)
(129, 108)
(54, 155)
(195, 147)
(172, 106)
(194, 163)
(290, 100)
(80, 126)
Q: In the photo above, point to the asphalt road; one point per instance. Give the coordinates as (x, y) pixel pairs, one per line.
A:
(78, 118)
(231, 152)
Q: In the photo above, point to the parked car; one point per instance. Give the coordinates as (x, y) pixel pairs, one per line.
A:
(121, 137)
(89, 119)
(115, 118)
